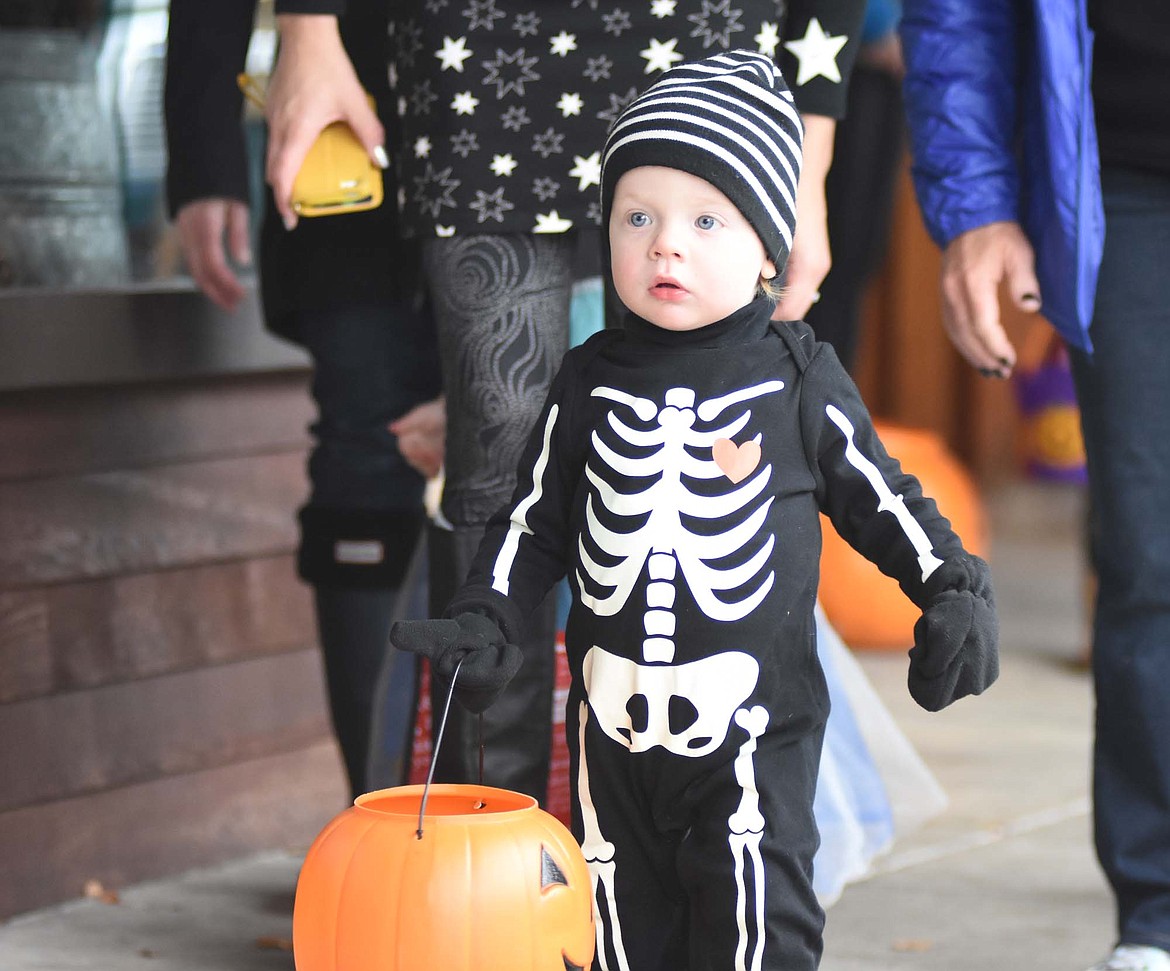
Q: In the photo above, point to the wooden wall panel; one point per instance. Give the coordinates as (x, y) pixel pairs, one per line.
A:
(67, 745)
(77, 635)
(170, 824)
(161, 698)
(135, 520)
(50, 433)
(26, 660)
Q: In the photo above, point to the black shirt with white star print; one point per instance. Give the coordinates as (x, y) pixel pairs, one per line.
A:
(505, 103)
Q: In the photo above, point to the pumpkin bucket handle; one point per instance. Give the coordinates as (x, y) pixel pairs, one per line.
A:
(422, 809)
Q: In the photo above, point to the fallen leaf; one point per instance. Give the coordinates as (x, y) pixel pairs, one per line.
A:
(94, 890)
(274, 943)
(914, 944)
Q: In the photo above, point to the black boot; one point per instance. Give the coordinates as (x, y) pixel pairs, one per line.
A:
(354, 627)
(517, 729)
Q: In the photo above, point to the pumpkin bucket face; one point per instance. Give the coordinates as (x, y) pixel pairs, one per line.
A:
(494, 884)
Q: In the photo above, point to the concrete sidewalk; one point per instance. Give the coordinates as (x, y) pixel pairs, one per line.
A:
(1004, 878)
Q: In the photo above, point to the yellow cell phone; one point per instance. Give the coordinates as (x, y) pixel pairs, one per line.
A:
(337, 175)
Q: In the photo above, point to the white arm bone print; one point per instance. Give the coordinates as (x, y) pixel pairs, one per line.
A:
(502, 569)
(657, 531)
(887, 501)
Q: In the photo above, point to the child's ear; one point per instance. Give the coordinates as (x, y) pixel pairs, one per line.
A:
(769, 270)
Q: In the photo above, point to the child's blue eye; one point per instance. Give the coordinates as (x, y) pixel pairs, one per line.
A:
(639, 219)
(705, 222)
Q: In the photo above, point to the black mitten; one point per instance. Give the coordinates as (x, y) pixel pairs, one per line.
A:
(489, 661)
(956, 640)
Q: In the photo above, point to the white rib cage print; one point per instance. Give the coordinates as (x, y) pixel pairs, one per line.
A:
(628, 529)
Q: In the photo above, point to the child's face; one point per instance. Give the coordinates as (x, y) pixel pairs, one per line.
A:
(683, 254)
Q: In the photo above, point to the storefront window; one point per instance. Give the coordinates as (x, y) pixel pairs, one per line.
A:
(82, 144)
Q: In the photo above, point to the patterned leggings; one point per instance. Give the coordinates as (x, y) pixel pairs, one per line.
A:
(501, 308)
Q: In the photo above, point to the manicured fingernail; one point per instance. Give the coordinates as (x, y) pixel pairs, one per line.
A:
(1006, 363)
(290, 221)
(381, 157)
(988, 372)
(1031, 301)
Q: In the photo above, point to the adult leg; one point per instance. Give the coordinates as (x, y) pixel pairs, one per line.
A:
(1124, 396)
(859, 193)
(501, 306)
(373, 362)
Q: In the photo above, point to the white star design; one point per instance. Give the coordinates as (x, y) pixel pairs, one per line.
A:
(551, 222)
(587, 171)
(453, 54)
(662, 8)
(422, 147)
(570, 104)
(503, 164)
(817, 53)
(443, 232)
(464, 103)
(768, 38)
(660, 56)
(562, 43)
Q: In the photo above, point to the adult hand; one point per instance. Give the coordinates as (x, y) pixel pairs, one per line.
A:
(810, 259)
(313, 84)
(210, 230)
(973, 266)
(422, 436)
(884, 54)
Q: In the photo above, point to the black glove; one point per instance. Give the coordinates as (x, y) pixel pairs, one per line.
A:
(489, 661)
(956, 640)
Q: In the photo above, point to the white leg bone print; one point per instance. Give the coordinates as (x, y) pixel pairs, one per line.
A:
(598, 854)
(747, 830)
(636, 704)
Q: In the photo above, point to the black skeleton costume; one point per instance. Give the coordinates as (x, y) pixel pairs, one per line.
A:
(676, 478)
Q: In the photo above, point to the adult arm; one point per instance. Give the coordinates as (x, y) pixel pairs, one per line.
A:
(207, 183)
(810, 259)
(821, 42)
(961, 94)
(313, 85)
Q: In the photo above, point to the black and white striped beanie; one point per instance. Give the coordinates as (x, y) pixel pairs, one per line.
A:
(728, 119)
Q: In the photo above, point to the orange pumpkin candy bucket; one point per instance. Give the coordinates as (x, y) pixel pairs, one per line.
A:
(444, 878)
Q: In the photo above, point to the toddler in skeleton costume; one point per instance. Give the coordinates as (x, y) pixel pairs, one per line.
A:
(676, 475)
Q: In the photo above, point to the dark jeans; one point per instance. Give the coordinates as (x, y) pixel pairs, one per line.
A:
(859, 192)
(1124, 394)
(374, 361)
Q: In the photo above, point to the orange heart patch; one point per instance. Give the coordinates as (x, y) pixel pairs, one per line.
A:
(737, 462)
